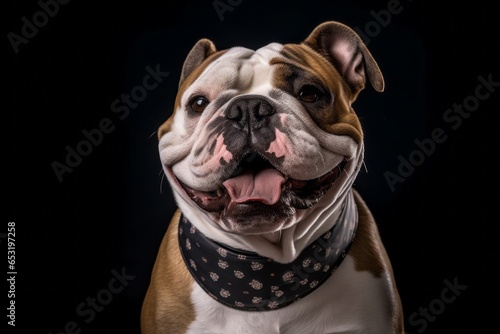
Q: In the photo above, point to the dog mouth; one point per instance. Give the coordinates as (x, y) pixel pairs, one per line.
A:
(257, 185)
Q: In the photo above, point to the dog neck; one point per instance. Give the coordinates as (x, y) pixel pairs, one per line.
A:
(251, 282)
(285, 245)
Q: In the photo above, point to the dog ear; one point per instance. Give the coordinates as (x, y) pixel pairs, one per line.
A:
(346, 51)
(200, 51)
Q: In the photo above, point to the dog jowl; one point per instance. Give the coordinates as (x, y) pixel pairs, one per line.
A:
(261, 152)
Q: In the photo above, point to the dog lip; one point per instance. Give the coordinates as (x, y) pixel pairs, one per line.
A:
(210, 201)
(219, 199)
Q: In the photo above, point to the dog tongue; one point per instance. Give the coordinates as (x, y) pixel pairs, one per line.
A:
(262, 186)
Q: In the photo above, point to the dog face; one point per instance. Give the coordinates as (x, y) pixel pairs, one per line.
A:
(259, 137)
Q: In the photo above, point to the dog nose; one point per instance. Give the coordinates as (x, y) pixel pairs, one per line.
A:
(250, 112)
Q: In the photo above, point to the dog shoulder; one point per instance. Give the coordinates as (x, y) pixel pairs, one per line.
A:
(369, 254)
(167, 305)
(367, 249)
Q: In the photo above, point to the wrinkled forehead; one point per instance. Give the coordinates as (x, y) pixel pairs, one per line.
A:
(241, 68)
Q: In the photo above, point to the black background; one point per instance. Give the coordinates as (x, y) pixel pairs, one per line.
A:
(111, 211)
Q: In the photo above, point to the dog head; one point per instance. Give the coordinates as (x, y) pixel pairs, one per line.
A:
(258, 137)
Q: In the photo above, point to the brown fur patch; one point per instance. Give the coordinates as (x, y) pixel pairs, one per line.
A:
(167, 307)
(366, 248)
(370, 255)
(340, 119)
(167, 125)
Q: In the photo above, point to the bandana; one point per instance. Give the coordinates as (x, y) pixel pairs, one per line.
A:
(250, 282)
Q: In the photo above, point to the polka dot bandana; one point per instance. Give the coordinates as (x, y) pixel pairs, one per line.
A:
(250, 282)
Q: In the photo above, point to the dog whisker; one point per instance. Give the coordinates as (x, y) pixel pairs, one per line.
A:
(364, 165)
(153, 134)
(162, 173)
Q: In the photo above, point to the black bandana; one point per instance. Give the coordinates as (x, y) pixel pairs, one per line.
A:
(250, 282)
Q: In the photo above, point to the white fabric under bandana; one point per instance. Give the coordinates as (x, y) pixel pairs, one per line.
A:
(250, 282)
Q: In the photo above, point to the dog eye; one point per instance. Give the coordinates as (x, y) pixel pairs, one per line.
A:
(198, 104)
(309, 94)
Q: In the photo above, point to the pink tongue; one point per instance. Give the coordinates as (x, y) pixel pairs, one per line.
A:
(263, 186)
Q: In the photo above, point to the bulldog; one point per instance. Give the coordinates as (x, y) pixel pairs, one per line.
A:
(261, 153)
